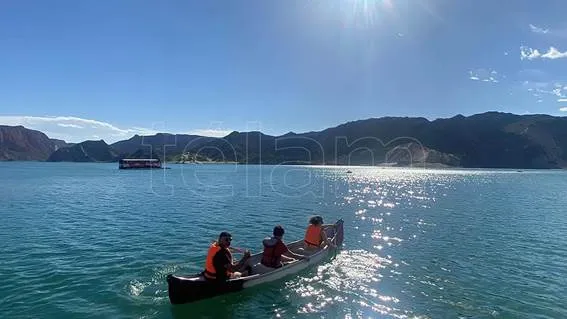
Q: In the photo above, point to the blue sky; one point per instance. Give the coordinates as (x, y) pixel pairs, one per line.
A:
(108, 69)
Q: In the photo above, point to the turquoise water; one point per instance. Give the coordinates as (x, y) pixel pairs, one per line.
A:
(91, 241)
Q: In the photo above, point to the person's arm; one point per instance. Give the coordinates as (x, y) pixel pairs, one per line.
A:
(326, 239)
(287, 259)
(242, 260)
(292, 255)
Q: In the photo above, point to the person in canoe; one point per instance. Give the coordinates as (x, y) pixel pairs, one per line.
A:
(219, 265)
(276, 253)
(315, 235)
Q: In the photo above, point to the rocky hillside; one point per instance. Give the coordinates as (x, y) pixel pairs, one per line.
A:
(60, 143)
(89, 151)
(493, 139)
(166, 146)
(327, 147)
(415, 154)
(18, 143)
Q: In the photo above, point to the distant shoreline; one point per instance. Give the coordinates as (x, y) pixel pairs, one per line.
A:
(486, 140)
(436, 166)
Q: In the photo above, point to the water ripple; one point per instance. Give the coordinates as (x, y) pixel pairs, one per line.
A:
(88, 240)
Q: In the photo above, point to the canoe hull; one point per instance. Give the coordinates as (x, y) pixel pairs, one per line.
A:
(184, 290)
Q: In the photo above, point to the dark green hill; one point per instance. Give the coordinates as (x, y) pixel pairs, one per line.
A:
(165, 146)
(88, 151)
(492, 139)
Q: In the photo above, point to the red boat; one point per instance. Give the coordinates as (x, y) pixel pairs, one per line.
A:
(128, 163)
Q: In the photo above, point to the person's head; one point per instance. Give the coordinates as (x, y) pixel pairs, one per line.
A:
(278, 231)
(316, 220)
(224, 239)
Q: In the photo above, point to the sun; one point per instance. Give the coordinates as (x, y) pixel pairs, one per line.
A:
(372, 14)
(365, 13)
(355, 13)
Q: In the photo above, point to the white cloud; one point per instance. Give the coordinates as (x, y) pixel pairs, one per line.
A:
(552, 53)
(537, 29)
(65, 127)
(556, 92)
(31, 120)
(552, 32)
(484, 75)
(69, 125)
(531, 85)
(563, 109)
(75, 129)
(540, 89)
(143, 131)
(533, 74)
(529, 53)
(210, 132)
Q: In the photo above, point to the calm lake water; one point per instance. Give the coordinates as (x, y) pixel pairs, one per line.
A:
(91, 241)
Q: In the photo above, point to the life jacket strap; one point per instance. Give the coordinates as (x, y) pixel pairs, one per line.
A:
(310, 243)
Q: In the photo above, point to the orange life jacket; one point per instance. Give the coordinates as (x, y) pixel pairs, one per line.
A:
(210, 271)
(269, 257)
(313, 235)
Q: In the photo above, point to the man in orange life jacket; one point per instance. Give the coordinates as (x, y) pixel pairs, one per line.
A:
(219, 265)
(276, 252)
(315, 235)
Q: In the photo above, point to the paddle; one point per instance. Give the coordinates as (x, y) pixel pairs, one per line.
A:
(334, 240)
(237, 250)
(234, 249)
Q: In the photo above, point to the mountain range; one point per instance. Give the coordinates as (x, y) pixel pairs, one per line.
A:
(18, 143)
(492, 140)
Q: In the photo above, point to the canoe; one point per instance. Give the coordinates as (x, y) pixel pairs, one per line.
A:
(185, 289)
